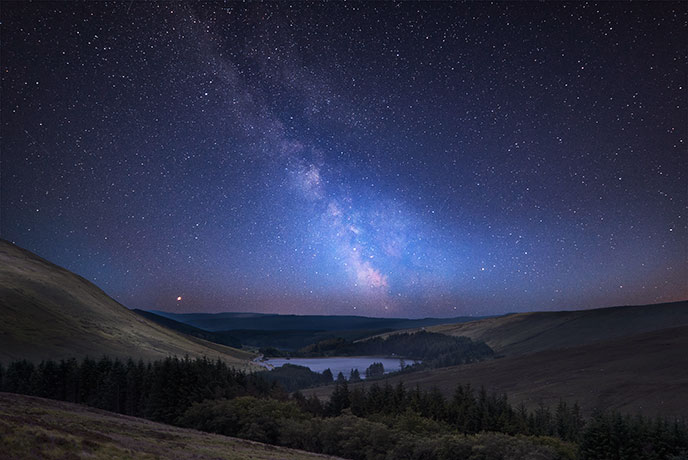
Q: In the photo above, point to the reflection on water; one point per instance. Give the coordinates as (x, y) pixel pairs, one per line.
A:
(343, 364)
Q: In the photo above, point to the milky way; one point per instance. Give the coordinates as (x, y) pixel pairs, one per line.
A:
(378, 159)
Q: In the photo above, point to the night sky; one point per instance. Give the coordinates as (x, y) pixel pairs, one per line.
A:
(376, 159)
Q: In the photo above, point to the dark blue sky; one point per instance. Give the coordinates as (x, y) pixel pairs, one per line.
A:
(364, 158)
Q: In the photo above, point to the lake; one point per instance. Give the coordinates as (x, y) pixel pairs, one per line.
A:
(342, 364)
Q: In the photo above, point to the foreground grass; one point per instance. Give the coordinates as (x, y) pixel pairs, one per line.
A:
(38, 428)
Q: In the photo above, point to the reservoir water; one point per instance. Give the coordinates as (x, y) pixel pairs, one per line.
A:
(342, 364)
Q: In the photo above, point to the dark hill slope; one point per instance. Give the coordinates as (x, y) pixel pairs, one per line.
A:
(645, 373)
(216, 337)
(48, 312)
(530, 332)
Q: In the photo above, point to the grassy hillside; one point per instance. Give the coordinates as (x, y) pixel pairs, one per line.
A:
(47, 312)
(220, 337)
(43, 429)
(645, 373)
(531, 332)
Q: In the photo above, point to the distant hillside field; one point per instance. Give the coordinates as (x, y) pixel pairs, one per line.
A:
(40, 428)
(48, 312)
(523, 333)
(645, 373)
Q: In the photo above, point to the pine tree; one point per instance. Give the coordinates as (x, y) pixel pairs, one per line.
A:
(340, 398)
(358, 402)
(314, 406)
(375, 370)
(327, 375)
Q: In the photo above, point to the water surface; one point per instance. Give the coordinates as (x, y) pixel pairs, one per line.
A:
(343, 364)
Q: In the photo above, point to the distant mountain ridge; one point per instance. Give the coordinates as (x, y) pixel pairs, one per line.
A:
(48, 312)
(283, 339)
(228, 321)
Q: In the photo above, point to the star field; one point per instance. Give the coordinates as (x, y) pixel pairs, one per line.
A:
(382, 159)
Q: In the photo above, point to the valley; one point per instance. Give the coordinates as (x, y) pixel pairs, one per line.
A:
(619, 360)
(347, 230)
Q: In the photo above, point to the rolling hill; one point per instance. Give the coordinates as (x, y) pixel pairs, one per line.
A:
(645, 373)
(284, 339)
(216, 337)
(43, 429)
(229, 321)
(48, 312)
(523, 333)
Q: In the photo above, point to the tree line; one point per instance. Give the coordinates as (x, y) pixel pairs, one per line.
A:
(429, 349)
(292, 377)
(160, 390)
(371, 423)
